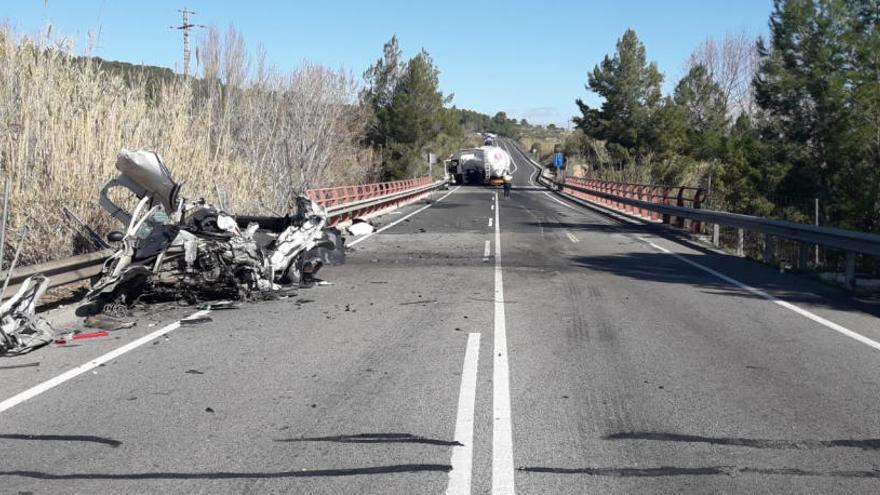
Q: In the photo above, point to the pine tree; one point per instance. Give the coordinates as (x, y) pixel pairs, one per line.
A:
(705, 110)
(415, 116)
(819, 84)
(630, 87)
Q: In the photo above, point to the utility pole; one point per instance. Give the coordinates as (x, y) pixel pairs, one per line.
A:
(185, 26)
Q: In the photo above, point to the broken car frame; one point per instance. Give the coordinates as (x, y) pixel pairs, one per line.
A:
(176, 248)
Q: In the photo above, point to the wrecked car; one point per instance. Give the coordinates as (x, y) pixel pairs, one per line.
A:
(21, 330)
(175, 248)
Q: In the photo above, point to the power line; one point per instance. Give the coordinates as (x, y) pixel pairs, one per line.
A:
(185, 26)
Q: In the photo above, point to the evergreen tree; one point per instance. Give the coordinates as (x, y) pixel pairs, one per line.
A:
(381, 78)
(705, 111)
(630, 87)
(414, 118)
(818, 85)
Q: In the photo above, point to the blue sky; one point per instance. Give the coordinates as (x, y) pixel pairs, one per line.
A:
(529, 59)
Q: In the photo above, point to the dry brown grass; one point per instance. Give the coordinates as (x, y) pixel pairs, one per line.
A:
(63, 119)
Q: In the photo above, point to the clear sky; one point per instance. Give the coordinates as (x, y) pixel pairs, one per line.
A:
(527, 58)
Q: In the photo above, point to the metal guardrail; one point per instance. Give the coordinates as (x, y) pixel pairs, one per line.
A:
(845, 240)
(342, 203)
(648, 203)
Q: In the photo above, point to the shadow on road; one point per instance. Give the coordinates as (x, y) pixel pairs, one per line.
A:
(663, 268)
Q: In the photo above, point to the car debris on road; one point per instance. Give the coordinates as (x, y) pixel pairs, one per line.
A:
(174, 248)
(21, 330)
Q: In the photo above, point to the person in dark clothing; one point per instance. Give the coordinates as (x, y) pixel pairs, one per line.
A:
(508, 183)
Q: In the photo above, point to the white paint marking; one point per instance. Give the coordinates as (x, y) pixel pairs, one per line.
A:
(502, 436)
(492, 207)
(75, 372)
(486, 251)
(490, 222)
(758, 292)
(463, 455)
(572, 237)
(392, 224)
(562, 203)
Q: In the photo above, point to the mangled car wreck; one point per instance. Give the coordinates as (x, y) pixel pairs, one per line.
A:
(174, 248)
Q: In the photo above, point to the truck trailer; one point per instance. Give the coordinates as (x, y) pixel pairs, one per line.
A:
(484, 165)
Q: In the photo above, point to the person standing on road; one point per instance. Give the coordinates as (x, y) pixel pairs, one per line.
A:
(508, 183)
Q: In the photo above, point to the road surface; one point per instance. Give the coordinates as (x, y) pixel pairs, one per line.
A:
(475, 345)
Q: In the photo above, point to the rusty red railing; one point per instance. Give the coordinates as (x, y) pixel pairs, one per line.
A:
(690, 197)
(330, 197)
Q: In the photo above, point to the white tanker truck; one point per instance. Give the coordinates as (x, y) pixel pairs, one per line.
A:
(484, 165)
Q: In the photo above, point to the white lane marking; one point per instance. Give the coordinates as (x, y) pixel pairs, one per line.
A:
(490, 222)
(758, 292)
(572, 237)
(402, 219)
(463, 455)
(486, 251)
(502, 436)
(94, 363)
(562, 203)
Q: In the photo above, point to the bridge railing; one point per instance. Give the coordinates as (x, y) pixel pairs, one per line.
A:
(611, 193)
(805, 235)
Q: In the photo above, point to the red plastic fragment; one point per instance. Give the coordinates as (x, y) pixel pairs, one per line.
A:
(90, 335)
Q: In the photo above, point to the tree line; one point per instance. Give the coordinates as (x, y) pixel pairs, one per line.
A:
(410, 116)
(769, 125)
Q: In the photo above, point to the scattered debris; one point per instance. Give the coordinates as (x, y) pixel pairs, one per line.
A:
(218, 305)
(107, 322)
(209, 410)
(68, 337)
(360, 227)
(21, 330)
(175, 249)
(195, 320)
(426, 301)
(194, 372)
(16, 366)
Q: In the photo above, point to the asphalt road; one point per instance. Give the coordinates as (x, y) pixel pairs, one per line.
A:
(581, 354)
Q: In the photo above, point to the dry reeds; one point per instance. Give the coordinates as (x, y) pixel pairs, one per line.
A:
(259, 138)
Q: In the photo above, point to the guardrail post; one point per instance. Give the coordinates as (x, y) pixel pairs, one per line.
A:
(696, 203)
(803, 256)
(665, 201)
(850, 277)
(740, 242)
(769, 249)
(716, 235)
(679, 201)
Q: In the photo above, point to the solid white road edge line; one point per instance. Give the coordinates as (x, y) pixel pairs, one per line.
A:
(758, 292)
(502, 435)
(94, 363)
(463, 454)
(402, 219)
